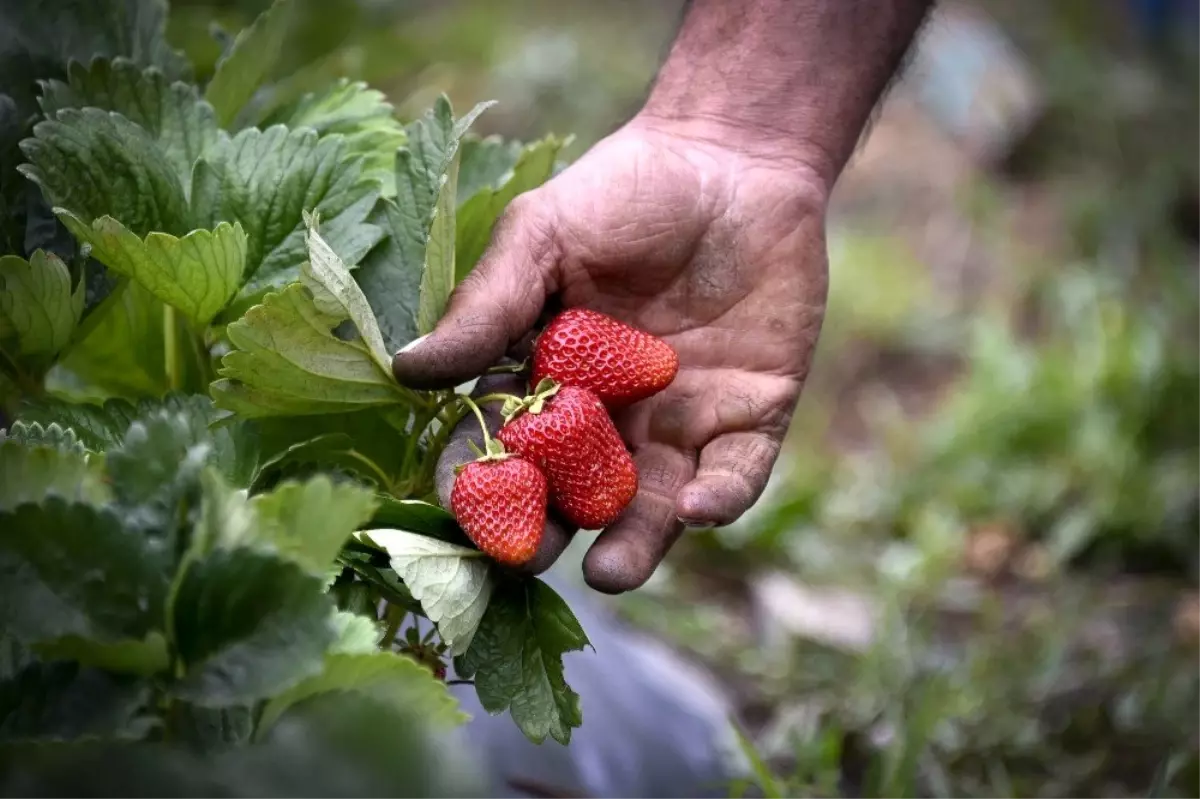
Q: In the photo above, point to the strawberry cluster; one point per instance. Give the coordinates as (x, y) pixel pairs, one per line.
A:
(558, 446)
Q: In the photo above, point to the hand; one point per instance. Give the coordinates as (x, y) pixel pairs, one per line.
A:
(721, 253)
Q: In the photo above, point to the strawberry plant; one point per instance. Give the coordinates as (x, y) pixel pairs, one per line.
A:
(217, 506)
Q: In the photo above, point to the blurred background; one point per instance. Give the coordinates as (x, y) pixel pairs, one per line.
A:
(975, 570)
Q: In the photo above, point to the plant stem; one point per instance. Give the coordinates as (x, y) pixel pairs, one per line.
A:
(395, 617)
(470, 403)
(494, 398)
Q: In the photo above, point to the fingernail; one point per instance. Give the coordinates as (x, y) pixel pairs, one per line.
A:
(695, 524)
(412, 345)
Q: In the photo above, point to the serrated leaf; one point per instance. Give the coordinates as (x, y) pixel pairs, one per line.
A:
(63, 702)
(354, 634)
(182, 124)
(266, 180)
(123, 353)
(71, 569)
(38, 308)
(198, 274)
(362, 115)
(247, 626)
(390, 275)
(248, 62)
(516, 659)
(235, 443)
(383, 676)
(156, 473)
(484, 162)
(477, 216)
(39, 37)
(97, 163)
(430, 168)
(34, 434)
(452, 583)
(32, 471)
(408, 278)
(289, 359)
(306, 523)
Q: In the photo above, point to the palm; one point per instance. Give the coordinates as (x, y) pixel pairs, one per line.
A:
(724, 259)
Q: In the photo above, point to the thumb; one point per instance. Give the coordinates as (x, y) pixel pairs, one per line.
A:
(493, 307)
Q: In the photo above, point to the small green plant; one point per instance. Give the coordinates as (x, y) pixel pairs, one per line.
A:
(217, 501)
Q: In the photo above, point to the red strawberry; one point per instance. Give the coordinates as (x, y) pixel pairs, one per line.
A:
(501, 505)
(569, 436)
(619, 363)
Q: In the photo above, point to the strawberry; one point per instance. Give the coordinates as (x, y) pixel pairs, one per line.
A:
(619, 363)
(567, 433)
(500, 501)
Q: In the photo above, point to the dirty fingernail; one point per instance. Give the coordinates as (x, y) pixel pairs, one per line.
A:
(412, 345)
(695, 524)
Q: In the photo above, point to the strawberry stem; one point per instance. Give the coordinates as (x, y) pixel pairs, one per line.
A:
(470, 403)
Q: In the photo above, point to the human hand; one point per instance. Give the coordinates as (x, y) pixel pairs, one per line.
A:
(718, 250)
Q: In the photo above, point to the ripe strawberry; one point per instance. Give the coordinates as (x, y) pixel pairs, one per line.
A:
(619, 363)
(569, 436)
(501, 505)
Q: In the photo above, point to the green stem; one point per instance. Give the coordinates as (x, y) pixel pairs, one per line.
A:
(470, 403)
(384, 482)
(495, 398)
(395, 617)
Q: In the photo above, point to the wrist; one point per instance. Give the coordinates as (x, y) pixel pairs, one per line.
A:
(772, 146)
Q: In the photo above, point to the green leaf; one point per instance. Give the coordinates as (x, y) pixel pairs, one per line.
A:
(362, 115)
(30, 472)
(63, 702)
(248, 62)
(123, 353)
(420, 517)
(266, 180)
(484, 163)
(198, 274)
(211, 729)
(39, 37)
(516, 659)
(306, 523)
(477, 216)
(38, 309)
(182, 125)
(247, 626)
(384, 676)
(289, 359)
(427, 178)
(390, 275)
(71, 569)
(34, 434)
(452, 583)
(354, 634)
(96, 163)
(368, 443)
(409, 276)
(156, 473)
(234, 443)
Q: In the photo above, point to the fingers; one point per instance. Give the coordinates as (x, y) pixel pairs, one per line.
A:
(492, 308)
(458, 451)
(732, 474)
(627, 553)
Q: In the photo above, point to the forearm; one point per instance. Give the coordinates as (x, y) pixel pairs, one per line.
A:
(793, 78)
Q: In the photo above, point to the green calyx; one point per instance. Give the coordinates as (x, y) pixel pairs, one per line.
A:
(493, 450)
(534, 403)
